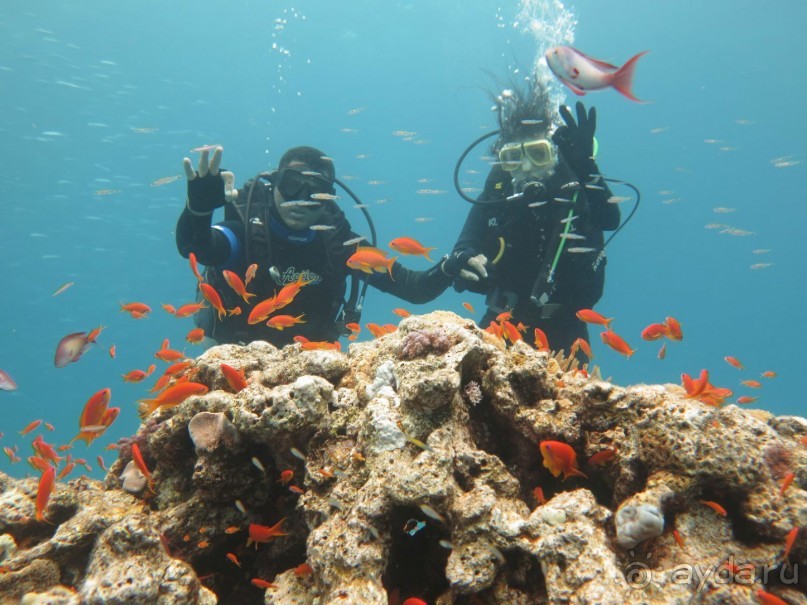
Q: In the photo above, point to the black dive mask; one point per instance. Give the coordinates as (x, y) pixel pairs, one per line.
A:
(302, 184)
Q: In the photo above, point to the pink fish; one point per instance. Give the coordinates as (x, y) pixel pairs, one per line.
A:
(71, 348)
(6, 382)
(584, 74)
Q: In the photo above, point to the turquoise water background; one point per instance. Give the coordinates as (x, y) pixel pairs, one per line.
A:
(111, 96)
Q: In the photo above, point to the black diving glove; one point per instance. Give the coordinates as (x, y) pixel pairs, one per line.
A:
(466, 264)
(575, 140)
(208, 188)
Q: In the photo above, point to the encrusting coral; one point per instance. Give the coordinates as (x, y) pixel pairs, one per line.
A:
(410, 467)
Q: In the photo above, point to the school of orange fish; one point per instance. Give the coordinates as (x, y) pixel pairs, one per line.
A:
(176, 385)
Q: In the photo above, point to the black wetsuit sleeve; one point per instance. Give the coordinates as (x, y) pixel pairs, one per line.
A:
(195, 234)
(473, 234)
(417, 287)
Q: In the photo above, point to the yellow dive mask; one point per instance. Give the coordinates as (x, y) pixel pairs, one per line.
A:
(539, 152)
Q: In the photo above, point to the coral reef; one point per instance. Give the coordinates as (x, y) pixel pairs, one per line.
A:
(410, 467)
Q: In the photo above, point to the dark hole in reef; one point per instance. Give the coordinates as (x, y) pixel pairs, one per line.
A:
(608, 487)
(522, 574)
(416, 562)
(231, 583)
(519, 455)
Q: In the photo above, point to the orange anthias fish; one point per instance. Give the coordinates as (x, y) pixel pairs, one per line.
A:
(592, 317)
(767, 598)
(376, 330)
(167, 354)
(46, 483)
(137, 310)
(790, 540)
(602, 456)
(195, 266)
(401, 312)
(262, 310)
(92, 417)
(138, 375)
(674, 331)
(190, 309)
(469, 307)
(250, 274)
(317, 345)
(734, 362)
(140, 463)
(237, 285)
(263, 533)
(715, 507)
(93, 334)
(30, 427)
(289, 291)
(703, 391)
(560, 458)
(195, 336)
(371, 259)
(581, 344)
(510, 332)
(407, 245)
(541, 342)
(654, 331)
(172, 396)
(617, 343)
(209, 292)
(280, 322)
(235, 378)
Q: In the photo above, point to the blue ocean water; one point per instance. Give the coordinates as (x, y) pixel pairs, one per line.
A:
(100, 97)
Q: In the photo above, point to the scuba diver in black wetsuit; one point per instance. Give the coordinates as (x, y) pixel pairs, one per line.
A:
(288, 223)
(540, 219)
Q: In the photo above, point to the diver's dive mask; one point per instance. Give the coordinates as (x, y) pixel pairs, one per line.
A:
(296, 184)
(538, 152)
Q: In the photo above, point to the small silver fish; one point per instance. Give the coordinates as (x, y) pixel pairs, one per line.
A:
(756, 266)
(617, 199)
(569, 220)
(299, 203)
(430, 512)
(572, 236)
(562, 200)
(577, 250)
(322, 227)
(536, 204)
(354, 240)
(324, 196)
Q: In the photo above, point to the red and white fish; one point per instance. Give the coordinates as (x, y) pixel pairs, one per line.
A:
(583, 74)
(7, 382)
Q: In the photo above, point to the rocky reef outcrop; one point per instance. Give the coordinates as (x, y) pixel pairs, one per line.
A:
(410, 467)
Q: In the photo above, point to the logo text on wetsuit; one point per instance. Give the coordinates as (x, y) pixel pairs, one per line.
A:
(291, 275)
